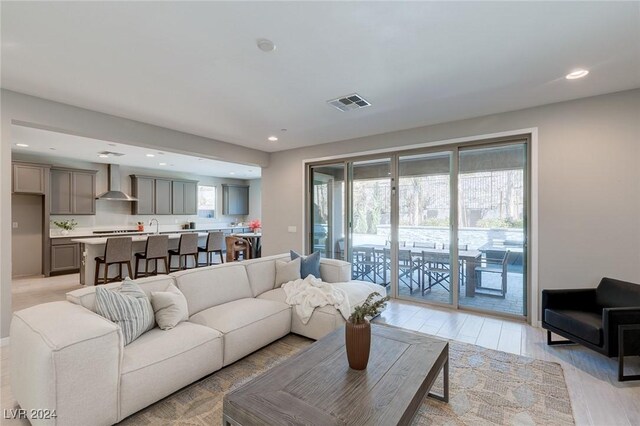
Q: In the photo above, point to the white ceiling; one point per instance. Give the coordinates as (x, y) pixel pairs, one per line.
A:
(80, 148)
(195, 67)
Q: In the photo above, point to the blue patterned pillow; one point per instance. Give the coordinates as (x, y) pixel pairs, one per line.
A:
(309, 265)
(128, 307)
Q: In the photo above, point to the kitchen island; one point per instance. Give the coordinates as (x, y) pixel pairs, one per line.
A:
(92, 247)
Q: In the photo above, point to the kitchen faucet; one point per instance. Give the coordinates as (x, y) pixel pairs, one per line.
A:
(157, 225)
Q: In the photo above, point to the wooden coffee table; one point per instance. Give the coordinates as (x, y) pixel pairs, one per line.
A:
(317, 387)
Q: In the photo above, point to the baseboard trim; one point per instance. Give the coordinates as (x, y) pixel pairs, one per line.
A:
(4, 341)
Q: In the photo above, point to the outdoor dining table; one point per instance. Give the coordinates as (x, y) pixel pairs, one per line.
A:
(470, 259)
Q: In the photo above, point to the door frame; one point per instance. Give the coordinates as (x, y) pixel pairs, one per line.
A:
(527, 135)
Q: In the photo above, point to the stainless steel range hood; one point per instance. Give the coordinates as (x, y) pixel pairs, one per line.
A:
(114, 193)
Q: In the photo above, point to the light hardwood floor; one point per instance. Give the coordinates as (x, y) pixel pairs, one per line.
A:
(596, 395)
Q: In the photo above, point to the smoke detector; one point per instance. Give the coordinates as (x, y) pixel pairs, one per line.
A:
(349, 102)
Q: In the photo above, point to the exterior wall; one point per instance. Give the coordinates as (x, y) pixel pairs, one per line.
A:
(588, 184)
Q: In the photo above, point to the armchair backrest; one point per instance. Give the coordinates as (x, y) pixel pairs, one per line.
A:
(612, 293)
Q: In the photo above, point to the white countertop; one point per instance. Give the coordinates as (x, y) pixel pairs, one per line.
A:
(134, 237)
(150, 230)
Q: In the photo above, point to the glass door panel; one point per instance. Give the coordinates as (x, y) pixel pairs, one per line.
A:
(424, 231)
(327, 210)
(492, 225)
(370, 220)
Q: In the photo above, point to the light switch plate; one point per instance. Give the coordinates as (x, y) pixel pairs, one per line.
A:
(292, 229)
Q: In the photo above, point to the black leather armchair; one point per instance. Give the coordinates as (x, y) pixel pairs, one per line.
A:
(605, 319)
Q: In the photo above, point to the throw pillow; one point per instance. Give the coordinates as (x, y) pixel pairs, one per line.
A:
(169, 307)
(128, 306)
(309, 265)
(287, 271)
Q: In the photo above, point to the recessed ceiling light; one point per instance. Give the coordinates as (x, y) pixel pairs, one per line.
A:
(232, 173)
(150, 155)
(265, 45)
(283, 130)
(272, 138)
(200, 159)
(22, 145)
(112, 144)
(576, 74)
(103, 156)
(52, 149)
(162, 164)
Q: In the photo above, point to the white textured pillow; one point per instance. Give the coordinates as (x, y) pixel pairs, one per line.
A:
(128, 306)
(169, 307)
(287, 271)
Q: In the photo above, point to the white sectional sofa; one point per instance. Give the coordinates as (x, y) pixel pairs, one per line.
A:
(67, 358)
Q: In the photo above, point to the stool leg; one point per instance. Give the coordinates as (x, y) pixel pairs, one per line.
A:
(166, 265)
(137, 267)
(97, 274)
(146, 267)
(106, 272)
(221, 257)
(129, 268)
(120, 271)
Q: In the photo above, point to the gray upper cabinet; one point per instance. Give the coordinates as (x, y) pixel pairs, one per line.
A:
(73, 191)
(235, 200)
(191, 198)
(163, 196)
(185, 197)
(61, 183)
(178, 197)
(29, 178)
(143, 188)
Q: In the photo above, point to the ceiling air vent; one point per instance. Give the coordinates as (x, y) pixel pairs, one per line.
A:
(111, 154)
(349, 102)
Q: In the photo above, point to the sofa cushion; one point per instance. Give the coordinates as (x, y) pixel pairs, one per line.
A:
(247, 324)
(262, 273)
(327, 318)
(617, 294)
(169, 307)
(127, 306)
(87, 296)
(161, 362)
(213, 285)
(335, 271)
(585, 325)
(309, 265)
(287, 271)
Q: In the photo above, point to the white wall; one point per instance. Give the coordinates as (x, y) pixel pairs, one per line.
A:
(589, 184)
(255, 199)
(16, 107)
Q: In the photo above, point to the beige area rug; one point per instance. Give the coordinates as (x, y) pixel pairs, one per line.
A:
(487, 387)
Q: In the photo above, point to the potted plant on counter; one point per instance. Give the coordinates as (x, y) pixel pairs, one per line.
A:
(358, 330)
(66, 225)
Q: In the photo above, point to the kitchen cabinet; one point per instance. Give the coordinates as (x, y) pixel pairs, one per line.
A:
(65, 256)
(73, 191)
(164, 196)
(29, 178)
(143, 188)
(185, 197)
(235, 200)
(162, 192)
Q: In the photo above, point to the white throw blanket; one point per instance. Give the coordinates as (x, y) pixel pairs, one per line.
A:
(311, 292)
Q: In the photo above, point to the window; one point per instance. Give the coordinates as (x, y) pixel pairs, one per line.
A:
(206, 201)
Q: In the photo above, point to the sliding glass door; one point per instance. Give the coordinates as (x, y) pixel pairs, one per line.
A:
(445, 225)
(424, 227)
(492, 207)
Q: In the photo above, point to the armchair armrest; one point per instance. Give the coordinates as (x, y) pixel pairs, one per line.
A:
(66, 358)
(583, 299)
(612, 318)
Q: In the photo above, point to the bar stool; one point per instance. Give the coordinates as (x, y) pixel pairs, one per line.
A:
(237, 246)
(117, 251)
(215, 244)
(188, 246)
(156, 248)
